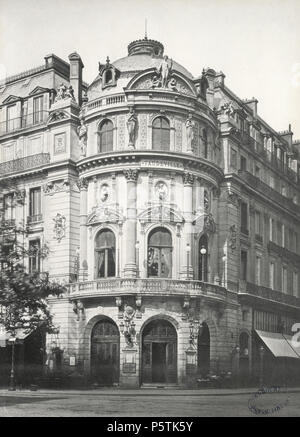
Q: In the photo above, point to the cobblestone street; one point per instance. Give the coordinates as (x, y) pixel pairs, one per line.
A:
(149, 403)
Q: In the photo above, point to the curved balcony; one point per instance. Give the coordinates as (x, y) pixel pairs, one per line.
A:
(145, 287)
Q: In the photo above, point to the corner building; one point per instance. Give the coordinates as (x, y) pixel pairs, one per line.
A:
(169, 208)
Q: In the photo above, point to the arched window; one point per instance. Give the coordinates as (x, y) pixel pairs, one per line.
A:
(105, 143)
(161, 134)
(160, 253)
(203, 350)
(203, 255)
(205, 146)
(108, 77)
(105, 254)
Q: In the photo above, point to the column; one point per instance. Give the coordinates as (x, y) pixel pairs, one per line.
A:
(187, 240)
(83, 266)
(130, 269)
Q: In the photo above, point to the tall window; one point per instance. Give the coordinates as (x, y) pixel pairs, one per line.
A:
(243, 272)
(160, 253)
(34, 256)
(257, 223)
(271, 229)
(243, 163)
(105, 137)
(205, 143)
(161, 134)
(9, 208)
(203, 257)
(11, 115)
(105, 254)
(284, 279)
(38, 109)
(35, 204)
(295, 284)
(244, 217)
(258, 270)
(272, 275)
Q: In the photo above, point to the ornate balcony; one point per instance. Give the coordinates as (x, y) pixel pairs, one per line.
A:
(150, 287)
(283, 252)
(22, 164)
(254, 290)
(24, 122)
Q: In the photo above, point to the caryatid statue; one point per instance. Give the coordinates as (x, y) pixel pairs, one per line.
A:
(82, 134)
(189, 124)
(164, 71)
(131, 127)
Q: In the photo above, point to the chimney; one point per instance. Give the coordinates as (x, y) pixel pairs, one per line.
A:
(76, 67)
(252, 103)
(288, 136)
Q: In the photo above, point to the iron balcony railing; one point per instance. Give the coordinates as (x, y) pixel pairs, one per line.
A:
(23, 122)
(270, 294)
(26, 163)
(265, 189)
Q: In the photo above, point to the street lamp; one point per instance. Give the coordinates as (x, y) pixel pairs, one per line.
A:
(12, 382)
(188, 250)
(203, 253)
(261, 373)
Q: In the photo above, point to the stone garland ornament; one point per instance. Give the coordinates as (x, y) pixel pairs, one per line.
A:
(82, 134)
(59, 227)
(19, 196)
(131, 127)
(228, 109)
(232, 237)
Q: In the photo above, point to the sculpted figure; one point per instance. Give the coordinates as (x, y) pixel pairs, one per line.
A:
(131, 127)
(164, 71)
(69, 93)
(82, 133)
(189, 124)
(61, 92)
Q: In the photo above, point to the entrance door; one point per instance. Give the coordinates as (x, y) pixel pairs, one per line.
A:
(159, 356)
(159, 371)
(105, 353)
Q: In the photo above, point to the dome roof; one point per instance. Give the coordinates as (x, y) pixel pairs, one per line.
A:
(139, 62)
(143, 54)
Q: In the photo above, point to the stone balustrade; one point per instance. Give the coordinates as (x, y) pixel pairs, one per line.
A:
(125, 286)
(269, 294)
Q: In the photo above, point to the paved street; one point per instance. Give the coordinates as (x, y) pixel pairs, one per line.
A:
(150, 403)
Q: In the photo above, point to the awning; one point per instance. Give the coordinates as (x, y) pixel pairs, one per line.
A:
(279, 344)
(5, 336)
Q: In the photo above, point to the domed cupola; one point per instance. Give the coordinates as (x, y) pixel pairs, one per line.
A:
(146, 46)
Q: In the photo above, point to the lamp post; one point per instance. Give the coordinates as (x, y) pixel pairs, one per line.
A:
(261, 369)
(203, 253)
(188, 250)
(12, 382)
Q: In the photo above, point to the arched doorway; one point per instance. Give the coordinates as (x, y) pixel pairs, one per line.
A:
(203, 350)
(105, 352)
(159, 353)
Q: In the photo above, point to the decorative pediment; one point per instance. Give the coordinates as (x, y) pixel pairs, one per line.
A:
(105, 214)
(150, 80)
(57, 116)
(11, 99)
(39, 90)
(161, 213)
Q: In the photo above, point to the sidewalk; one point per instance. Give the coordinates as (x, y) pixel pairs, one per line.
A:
(141, 392)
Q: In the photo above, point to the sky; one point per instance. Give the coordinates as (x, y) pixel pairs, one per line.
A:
(255, 43)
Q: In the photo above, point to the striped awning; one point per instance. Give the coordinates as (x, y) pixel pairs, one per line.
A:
(279, 344)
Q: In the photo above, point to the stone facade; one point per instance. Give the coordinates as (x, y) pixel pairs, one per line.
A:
(169, 208)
